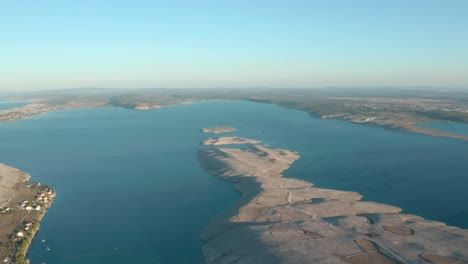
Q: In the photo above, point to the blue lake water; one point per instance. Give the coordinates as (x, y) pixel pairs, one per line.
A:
(130, 189)
(11, 104)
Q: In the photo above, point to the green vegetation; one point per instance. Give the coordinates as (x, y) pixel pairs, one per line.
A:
(23, 245)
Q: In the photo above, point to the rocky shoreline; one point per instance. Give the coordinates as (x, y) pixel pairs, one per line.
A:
(285, 220)
(23, 205)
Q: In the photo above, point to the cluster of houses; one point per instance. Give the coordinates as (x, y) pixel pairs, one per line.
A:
(23, 230)
(30, 206)
(5, 210)
(39, 198)
(43, 197)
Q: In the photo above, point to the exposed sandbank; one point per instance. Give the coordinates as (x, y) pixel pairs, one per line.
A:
(218, 130)
(284, 220)
(229, 141)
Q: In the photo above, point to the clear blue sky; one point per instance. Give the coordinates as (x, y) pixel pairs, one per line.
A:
(242, 43)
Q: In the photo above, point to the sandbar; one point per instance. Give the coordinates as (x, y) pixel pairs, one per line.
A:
(218, 130)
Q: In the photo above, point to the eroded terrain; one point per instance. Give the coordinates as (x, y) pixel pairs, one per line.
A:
(284, 220)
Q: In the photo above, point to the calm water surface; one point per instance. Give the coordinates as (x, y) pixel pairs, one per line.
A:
(459, 128)
(11, 104)
(130, 189)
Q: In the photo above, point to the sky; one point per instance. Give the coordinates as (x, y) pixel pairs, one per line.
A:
(243, 43)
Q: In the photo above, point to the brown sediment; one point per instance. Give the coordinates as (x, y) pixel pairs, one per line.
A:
(285, 220)
(399, 230)
(437, 259)
(372, 257)
(366, 245)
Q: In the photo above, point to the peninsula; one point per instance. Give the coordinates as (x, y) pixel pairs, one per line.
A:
(285, 220)
(23, 204)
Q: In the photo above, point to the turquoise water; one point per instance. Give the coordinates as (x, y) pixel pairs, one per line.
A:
(459, 128)
(11, 104)
(130, 189)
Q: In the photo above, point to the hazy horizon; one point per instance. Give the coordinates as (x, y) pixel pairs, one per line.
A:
(52, 45)
(105, 90)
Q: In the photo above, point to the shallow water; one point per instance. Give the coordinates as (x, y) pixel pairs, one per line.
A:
(130, 189)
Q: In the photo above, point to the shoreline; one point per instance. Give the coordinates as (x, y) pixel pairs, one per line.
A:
(38, 108)
(21, 213)
(285, 220)
(22, 257)
(407, 127)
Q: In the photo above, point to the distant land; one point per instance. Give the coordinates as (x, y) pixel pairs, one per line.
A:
(398, 109)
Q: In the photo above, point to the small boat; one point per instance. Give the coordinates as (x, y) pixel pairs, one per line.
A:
(48, 248)
(43, 240)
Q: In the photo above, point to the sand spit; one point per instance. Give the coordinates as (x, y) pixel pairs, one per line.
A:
(284, 220)
(229, 141)
(218, 130)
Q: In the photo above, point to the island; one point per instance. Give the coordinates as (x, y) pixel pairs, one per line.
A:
(23, 204)
(218, 130)
(286, 220)
(229, 141)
